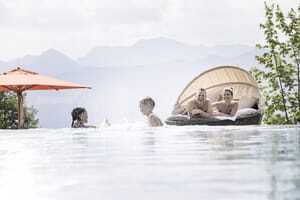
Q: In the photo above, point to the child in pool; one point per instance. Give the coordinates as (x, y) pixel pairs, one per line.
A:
(146, 107)
(80, 118)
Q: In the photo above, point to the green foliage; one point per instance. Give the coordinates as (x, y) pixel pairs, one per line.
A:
(9, 114)
(279, 78)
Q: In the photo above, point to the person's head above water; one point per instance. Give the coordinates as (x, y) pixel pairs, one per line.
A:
(79, 115)
(228, 94)
(147, 105)
(201, 94)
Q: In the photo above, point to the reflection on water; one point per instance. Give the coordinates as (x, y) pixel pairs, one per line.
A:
(128, 162)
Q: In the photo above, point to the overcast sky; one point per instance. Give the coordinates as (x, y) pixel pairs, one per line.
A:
(75, 26)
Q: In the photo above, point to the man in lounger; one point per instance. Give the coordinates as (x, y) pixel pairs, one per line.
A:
(227, 107)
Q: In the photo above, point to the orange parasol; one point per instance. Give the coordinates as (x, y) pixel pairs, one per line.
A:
(19, 80)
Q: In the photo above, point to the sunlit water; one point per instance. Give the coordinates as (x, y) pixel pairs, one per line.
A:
(132, 162)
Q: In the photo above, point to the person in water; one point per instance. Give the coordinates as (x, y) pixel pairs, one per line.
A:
(80, 118)
(227, 107)
(146, 107)
(200, 106)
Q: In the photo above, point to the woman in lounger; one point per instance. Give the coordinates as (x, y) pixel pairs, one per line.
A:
(227, 107)
(200, 106)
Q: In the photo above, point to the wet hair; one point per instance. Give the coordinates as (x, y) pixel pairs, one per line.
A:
(76, 112)
(148, 101)
(229, 89)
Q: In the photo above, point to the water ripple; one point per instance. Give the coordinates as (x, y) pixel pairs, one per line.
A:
(129, 162)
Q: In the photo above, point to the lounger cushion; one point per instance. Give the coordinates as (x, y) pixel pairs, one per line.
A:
(178, 118)
(246, 113)
(247, 102)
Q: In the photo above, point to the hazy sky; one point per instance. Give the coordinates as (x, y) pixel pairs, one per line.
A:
(75, 26)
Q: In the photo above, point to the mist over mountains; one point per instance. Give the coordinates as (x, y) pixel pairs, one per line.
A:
(121, 75)
(163, 51)
(50, 62)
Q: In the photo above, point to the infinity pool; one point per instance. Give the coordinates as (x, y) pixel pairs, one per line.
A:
(135, 163)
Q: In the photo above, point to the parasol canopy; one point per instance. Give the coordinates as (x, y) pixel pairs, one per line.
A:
(19, 80)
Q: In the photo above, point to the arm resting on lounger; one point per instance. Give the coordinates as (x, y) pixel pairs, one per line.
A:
(217, 112)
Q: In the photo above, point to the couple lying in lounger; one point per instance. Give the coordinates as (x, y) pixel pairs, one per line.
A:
(200, 106)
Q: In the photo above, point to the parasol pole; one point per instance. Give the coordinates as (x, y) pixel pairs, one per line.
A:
(20, 110)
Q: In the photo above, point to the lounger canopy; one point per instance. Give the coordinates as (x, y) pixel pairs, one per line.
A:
(216, 79)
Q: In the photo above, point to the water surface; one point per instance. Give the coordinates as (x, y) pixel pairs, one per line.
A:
(132, 162)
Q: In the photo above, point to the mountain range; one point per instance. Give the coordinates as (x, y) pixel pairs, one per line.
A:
(121, 75)
(163, 50)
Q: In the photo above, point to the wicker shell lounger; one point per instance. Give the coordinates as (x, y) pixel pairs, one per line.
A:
(214, 80)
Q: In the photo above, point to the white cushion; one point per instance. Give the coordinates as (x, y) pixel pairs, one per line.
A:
(247, 102)
(246, 112)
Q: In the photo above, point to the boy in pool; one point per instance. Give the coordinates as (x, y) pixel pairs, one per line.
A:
(146, 107)
(80, 118)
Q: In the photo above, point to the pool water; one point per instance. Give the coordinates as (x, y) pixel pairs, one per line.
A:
(135, 162)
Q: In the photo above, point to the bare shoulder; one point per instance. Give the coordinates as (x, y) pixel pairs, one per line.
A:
(155, 121)
(192, 102)
(235, 103)
(191, 105)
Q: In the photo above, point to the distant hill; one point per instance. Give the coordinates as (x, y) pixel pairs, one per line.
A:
(50, 62)
(120, 76)
(144, 52)
(159, 51)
